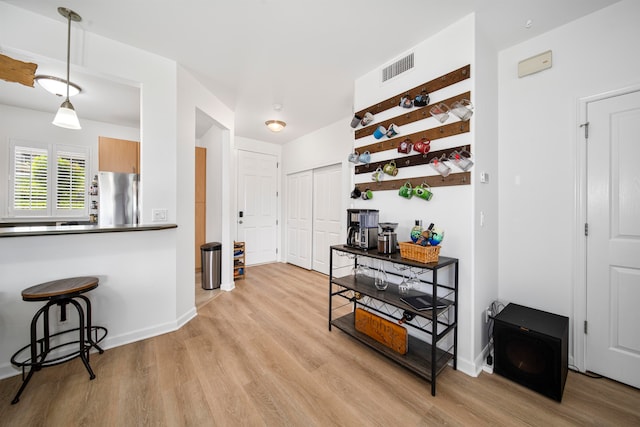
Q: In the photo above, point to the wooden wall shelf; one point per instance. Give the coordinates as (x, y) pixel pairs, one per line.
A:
(410, 116)
(461, 178)
(431, 134)
(431, 86)
(413, 160)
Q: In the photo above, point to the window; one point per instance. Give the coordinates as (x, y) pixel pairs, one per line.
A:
(48, 180)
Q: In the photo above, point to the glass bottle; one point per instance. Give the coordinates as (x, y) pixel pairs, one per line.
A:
(416, 231)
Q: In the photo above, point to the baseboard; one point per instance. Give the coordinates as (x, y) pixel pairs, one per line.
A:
(8, 370)
(228, 286)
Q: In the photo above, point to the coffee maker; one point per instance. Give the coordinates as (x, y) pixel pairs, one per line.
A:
(362, 228)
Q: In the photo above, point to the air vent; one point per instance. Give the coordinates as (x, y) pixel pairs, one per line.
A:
(398, 67)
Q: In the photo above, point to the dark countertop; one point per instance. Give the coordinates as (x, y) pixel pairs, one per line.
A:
(44, 230)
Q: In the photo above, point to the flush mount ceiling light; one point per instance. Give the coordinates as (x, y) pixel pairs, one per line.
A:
(56, 85)
(66, 116)
(275, 125)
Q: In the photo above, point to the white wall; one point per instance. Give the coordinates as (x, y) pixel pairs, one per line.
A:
(485, 195)
(538, 125)
(451, 207)
(35, 126)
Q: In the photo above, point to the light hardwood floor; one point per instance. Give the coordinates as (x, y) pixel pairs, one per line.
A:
(262, 355)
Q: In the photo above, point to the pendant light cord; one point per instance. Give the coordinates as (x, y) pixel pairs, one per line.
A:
(68, 50)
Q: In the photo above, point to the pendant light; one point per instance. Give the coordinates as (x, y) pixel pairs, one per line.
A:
(66, 116)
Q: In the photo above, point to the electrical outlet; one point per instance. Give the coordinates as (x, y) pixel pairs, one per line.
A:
(487, 314)
(158, 215)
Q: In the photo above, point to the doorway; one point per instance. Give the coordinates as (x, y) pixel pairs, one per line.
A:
(258, 206)
(609, 265)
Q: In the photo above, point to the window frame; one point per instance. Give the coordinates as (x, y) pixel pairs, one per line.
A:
(53, 152)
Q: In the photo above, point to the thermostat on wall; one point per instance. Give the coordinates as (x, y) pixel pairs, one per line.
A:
(534, 64)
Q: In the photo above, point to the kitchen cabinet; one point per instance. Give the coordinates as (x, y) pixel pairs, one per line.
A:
(432, 333)
(118, 155)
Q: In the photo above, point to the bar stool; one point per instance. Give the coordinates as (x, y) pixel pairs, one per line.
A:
(59, 292)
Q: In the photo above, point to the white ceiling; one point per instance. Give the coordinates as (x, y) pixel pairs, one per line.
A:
(252, 54)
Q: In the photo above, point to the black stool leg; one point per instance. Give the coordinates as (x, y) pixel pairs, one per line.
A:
(89, 324)
(36, 362)
(81, 329)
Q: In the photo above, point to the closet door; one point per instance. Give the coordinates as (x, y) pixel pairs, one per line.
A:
(327, 214)
(299, 218)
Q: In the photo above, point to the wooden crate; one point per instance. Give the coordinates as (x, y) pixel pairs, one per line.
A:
(385, 332)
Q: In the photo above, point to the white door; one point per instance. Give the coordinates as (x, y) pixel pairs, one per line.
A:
(613, 242)
(327, 214)
(299, 218)
(257, 206)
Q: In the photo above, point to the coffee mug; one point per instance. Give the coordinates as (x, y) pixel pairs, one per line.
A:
(406, 102)
(405, 146)
(356, 193)
(422, 99)
(368, 118)
(461, 159)
(440, 112)
(353, 157)
(406, 191)
(377, 175)
(367, 194)
(365, 157)
(423, 191)
(462, 109)
(440, 166)
(423, 146)
(392, 131)
(379, 132)
(390, 168)
(355, 121)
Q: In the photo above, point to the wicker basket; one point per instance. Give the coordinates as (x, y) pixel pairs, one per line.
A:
(425, 254)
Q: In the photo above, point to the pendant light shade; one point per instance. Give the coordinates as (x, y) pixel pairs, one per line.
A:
(66, 116)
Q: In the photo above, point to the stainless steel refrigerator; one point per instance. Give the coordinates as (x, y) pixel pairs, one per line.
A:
(118, 198)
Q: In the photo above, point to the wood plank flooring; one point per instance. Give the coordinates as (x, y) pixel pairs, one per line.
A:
(262, 356)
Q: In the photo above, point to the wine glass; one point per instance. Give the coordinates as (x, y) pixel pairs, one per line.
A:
(403, 287)
(413, 282)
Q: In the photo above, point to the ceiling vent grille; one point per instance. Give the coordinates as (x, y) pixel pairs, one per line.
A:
(398, 67)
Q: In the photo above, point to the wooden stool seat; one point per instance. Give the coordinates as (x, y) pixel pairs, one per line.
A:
(60, 288)
(42, 351)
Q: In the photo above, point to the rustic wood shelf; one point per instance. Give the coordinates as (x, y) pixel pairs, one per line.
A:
(430, 134)
(414, 160)
(460, 178)
(431, 86)
(410, 116)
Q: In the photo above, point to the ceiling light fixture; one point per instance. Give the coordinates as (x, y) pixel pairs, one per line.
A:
(66, 116)
(56, 85)
(275, 125)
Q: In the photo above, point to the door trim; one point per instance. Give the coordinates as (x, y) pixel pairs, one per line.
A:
(579, 341)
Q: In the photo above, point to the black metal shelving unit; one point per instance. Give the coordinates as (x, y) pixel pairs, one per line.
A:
(433, 333)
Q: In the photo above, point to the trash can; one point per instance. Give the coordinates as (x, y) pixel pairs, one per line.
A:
(211, 254)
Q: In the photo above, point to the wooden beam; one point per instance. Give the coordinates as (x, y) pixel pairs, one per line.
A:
(16, 71)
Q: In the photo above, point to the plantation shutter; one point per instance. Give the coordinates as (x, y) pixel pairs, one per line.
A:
(70, 180)
(31, 177)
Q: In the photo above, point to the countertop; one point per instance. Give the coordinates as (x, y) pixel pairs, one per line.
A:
(42, 230)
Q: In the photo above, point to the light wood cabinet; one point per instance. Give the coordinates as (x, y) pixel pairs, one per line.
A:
(118, 155)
